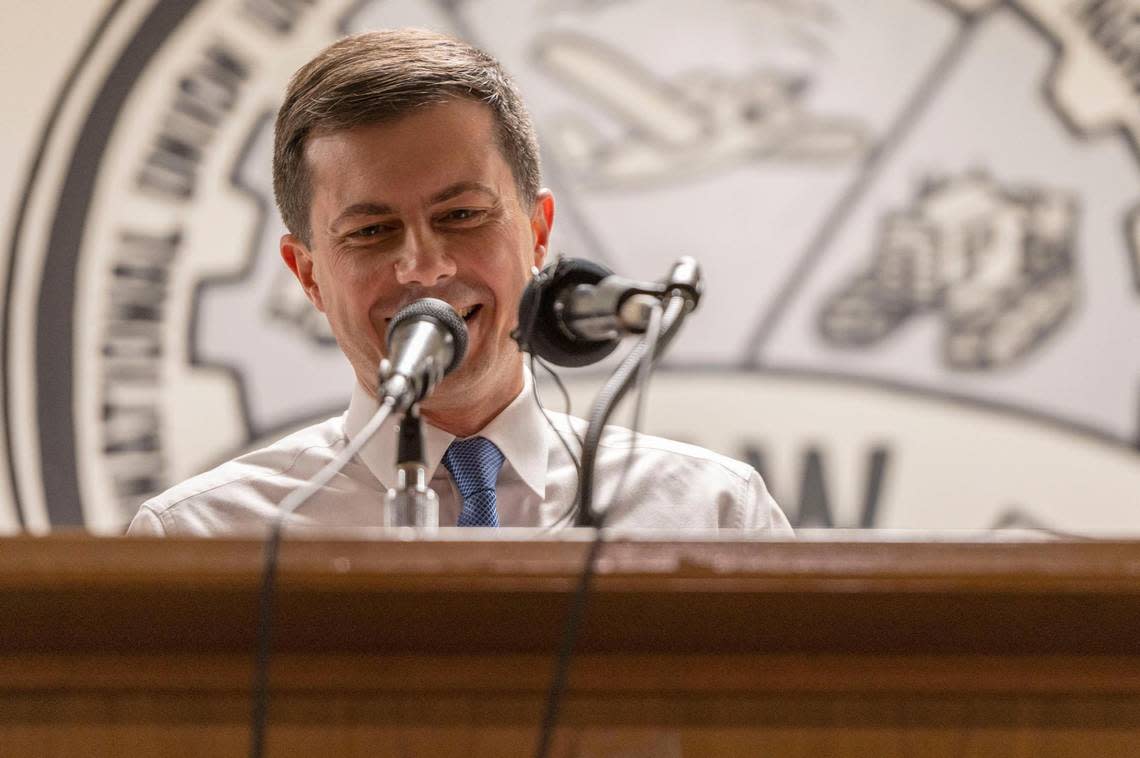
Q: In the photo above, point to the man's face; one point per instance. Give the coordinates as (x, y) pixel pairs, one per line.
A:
(423, 206)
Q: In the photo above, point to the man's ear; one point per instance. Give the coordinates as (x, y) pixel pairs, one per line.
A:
(541, 222)
(300, 261)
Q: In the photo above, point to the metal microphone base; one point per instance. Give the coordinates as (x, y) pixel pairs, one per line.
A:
(411, 502)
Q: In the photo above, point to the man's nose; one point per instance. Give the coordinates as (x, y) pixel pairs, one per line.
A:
(423, 261)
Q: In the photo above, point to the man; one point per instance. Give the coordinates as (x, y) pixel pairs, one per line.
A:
(405, 166)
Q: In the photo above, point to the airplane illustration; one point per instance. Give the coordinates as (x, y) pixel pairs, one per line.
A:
(697, 123)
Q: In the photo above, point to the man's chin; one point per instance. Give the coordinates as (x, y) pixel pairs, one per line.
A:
(457, 392)
(470, 398)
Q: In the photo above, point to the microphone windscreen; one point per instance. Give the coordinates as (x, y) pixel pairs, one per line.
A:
(540, 332)
(440, 312)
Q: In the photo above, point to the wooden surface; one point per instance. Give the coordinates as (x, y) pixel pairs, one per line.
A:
(697, 648)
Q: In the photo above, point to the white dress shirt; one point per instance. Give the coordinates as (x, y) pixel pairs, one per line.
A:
(668, 485)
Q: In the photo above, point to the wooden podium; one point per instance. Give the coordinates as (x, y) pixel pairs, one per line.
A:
(865, 647)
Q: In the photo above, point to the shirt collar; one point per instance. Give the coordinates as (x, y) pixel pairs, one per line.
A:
(519, 431)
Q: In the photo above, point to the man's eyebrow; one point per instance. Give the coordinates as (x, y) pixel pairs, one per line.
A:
(459, 188)
(360, 209)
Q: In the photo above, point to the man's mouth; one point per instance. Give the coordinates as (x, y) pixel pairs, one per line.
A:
(468, 314)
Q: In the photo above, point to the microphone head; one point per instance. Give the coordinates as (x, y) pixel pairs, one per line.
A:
(540, 330)
(433, 309)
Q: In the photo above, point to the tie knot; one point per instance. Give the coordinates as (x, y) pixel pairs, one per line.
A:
(474, 464)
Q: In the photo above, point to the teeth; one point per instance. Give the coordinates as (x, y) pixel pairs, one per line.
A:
(467, 311)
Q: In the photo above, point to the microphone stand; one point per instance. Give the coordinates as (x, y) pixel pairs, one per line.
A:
(682, 300)
(683, 293)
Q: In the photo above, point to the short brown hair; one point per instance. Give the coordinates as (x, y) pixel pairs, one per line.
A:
(377, 76)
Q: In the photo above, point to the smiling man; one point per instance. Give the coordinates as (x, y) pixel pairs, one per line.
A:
(414, 208)
(405, 166)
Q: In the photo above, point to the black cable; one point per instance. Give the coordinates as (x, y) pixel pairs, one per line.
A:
(566, 411)
(259, 717)
(569, 512)
(655, 345)
(566, 404)
(259, 710)
(577, 611)
(566, 650)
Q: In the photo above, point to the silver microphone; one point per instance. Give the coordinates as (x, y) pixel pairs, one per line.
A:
(426, 341)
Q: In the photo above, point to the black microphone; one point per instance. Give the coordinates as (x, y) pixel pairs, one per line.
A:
(541, 331)
(575, 312)
(426, 341)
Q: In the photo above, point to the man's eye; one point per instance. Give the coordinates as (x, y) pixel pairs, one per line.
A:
(373, 230)
(463, 214)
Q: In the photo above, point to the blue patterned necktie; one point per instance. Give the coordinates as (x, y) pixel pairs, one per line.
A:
(474, 464)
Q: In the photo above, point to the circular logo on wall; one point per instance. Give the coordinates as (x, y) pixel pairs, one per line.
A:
(909, 321)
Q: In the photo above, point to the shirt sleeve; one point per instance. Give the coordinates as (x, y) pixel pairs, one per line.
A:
(762, 512)
(146, 523)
